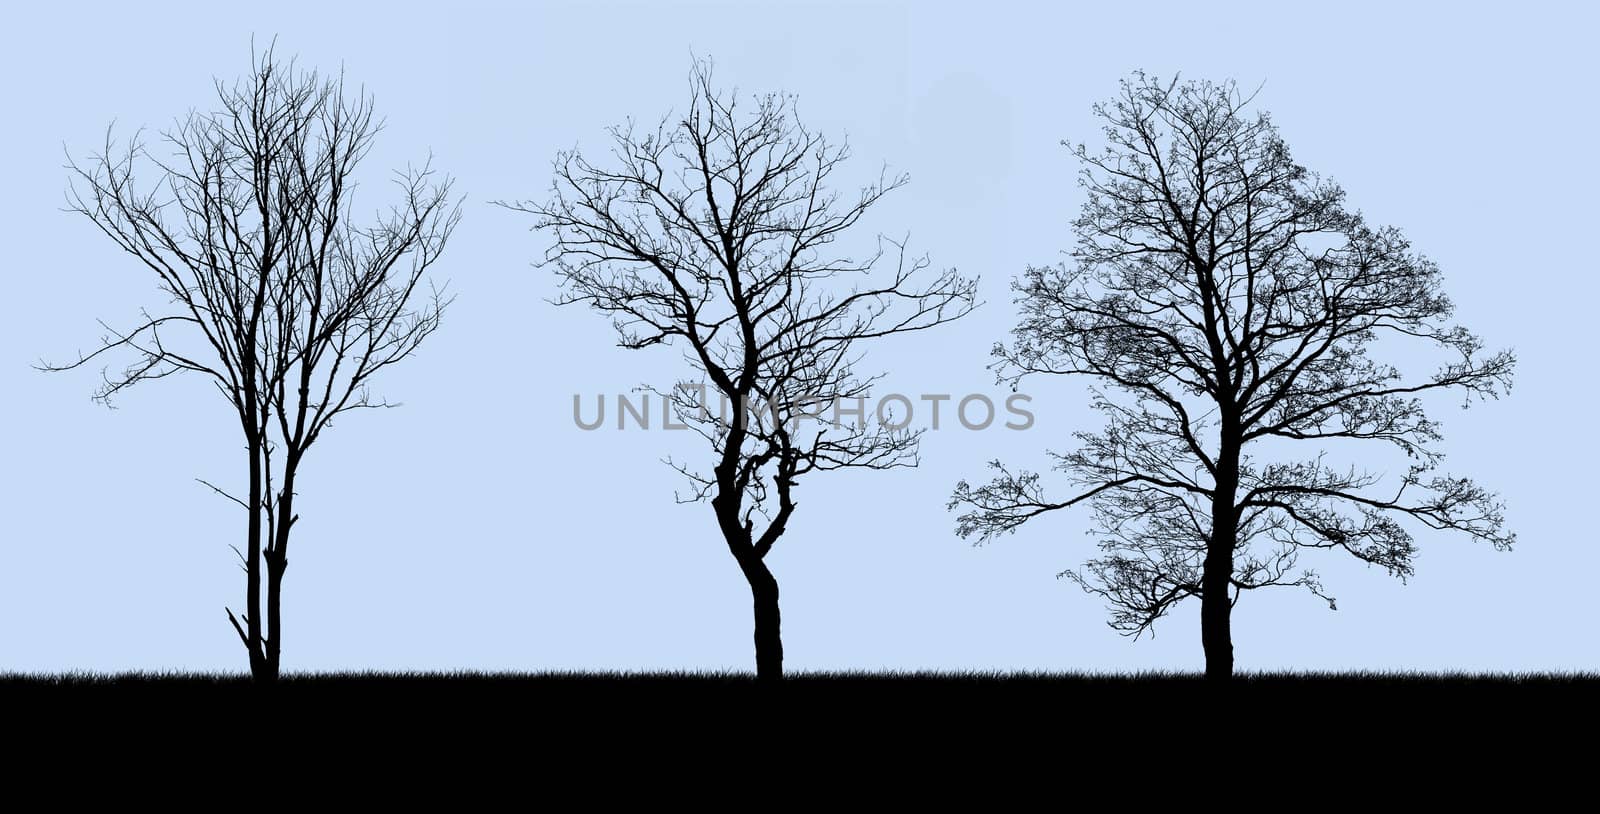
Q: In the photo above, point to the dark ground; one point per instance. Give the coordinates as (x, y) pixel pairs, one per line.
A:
(990, 741)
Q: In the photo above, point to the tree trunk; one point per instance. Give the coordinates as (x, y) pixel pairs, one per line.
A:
(763, 586)
(260, 671)
(1216, 606)
(1216, 631)
(274, 641)
(276, 563)
(768, 639)
(277, 559)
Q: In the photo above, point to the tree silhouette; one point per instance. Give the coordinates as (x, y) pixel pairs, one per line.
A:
(1227, 305)
(711, 233)
(276, 295)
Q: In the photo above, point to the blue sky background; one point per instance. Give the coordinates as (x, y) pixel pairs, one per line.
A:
(476, 527)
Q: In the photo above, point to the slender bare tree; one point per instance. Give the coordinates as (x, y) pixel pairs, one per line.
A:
(245, 217)
(1228, 306)
(711, 232)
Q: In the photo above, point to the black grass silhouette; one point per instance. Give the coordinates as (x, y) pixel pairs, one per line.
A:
(977, 679)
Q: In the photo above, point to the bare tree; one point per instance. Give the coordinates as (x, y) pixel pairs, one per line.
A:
(711, 232)
(1227, 304)
(275, 294)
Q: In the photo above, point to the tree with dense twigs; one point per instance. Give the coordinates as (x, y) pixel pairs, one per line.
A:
(1229, 308)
